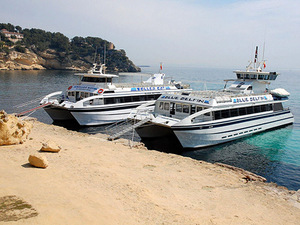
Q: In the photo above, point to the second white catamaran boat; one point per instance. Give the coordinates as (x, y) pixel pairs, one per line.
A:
(205, 118)
(96, 100)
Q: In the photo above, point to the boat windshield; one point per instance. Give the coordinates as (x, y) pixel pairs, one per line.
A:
(96, 79)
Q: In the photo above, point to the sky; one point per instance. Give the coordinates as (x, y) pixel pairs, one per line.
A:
(215, 33)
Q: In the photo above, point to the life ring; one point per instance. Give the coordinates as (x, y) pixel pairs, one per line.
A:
(69, 88)
(100, 91)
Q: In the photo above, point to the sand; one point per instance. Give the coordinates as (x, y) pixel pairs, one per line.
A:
(95, 181)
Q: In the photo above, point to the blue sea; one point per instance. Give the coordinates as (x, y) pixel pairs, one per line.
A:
(274, 154)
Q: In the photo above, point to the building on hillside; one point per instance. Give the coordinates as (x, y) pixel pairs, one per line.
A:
(12, 36)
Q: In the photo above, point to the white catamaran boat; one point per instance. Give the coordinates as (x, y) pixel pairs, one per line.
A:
(96, 100)
(205, 118)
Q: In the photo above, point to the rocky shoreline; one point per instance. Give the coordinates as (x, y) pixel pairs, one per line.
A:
(32, 61)
(47, 60)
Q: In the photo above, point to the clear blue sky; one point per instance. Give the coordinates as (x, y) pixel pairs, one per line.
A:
(188, 32)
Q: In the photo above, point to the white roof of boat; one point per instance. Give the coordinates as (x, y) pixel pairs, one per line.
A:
(255, 72)
(106, 75)
(213, 94)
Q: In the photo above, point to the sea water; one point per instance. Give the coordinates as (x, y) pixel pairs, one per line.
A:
(273, 154)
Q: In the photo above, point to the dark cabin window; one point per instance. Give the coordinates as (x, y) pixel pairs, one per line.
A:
(217, 115)
(234, 112)
(225, 113)
(242, 111)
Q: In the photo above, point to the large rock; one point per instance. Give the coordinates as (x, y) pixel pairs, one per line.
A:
(12, 129)
(50, 146)
(38, 161)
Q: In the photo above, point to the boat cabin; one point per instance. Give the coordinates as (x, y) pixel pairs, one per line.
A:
(173, 106)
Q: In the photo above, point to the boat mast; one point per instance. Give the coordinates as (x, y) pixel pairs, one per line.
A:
(263, 58)
(104, 56)
(255, 57)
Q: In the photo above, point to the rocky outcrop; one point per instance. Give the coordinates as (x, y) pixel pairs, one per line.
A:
(38, 161)
(53, 60)
(12, 129)
(21, 61)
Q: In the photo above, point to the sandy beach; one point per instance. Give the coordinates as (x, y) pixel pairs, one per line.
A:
(95, 181)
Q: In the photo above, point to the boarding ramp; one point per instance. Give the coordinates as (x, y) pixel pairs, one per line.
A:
(126, 126)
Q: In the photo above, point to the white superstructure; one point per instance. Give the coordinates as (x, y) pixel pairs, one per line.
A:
(205, 118)
(97, 100)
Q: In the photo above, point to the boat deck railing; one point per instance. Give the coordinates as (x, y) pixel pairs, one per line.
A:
(221, 93)
(143, 84)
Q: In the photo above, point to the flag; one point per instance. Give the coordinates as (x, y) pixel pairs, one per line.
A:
(160, 66)
(264, 64)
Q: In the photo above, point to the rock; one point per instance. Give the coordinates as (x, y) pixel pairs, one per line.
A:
(50, 146)
(38, 161)
(12, 129)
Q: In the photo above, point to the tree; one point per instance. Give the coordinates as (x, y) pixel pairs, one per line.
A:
(18, 29)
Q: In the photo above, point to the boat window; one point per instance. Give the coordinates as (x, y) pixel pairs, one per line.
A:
(247, 76)
(127, 99)
(166, 106)
(207, 114)
(142, 98)
(217, 115)
(118, 100)
(107, 92)
(253, 76)
(249, 88)
(96, 79)
(199, 108)
(82, 95)
(240, 84)
(278, 107)
(193, 109)
(109, 101)
(225, 113)
(157, 96)
(150, 97)
(270, 107)
(135, 98)
(249, 110)
(266, 77)
(260, 77)
(161, 105)
(263, 108)
(186, 108)
(234, 112)
(242, 111)
(178, 107)
(257, 109)
(238, 75)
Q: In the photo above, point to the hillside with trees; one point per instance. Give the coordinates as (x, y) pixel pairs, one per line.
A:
(20, 48)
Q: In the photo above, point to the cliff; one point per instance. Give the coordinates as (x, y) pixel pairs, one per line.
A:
(37, 49)
(53, 60)
(30, 60)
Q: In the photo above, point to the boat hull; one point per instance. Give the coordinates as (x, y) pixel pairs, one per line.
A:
(103, 115)
(149, 130)
(217, 133)
(59, 113)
